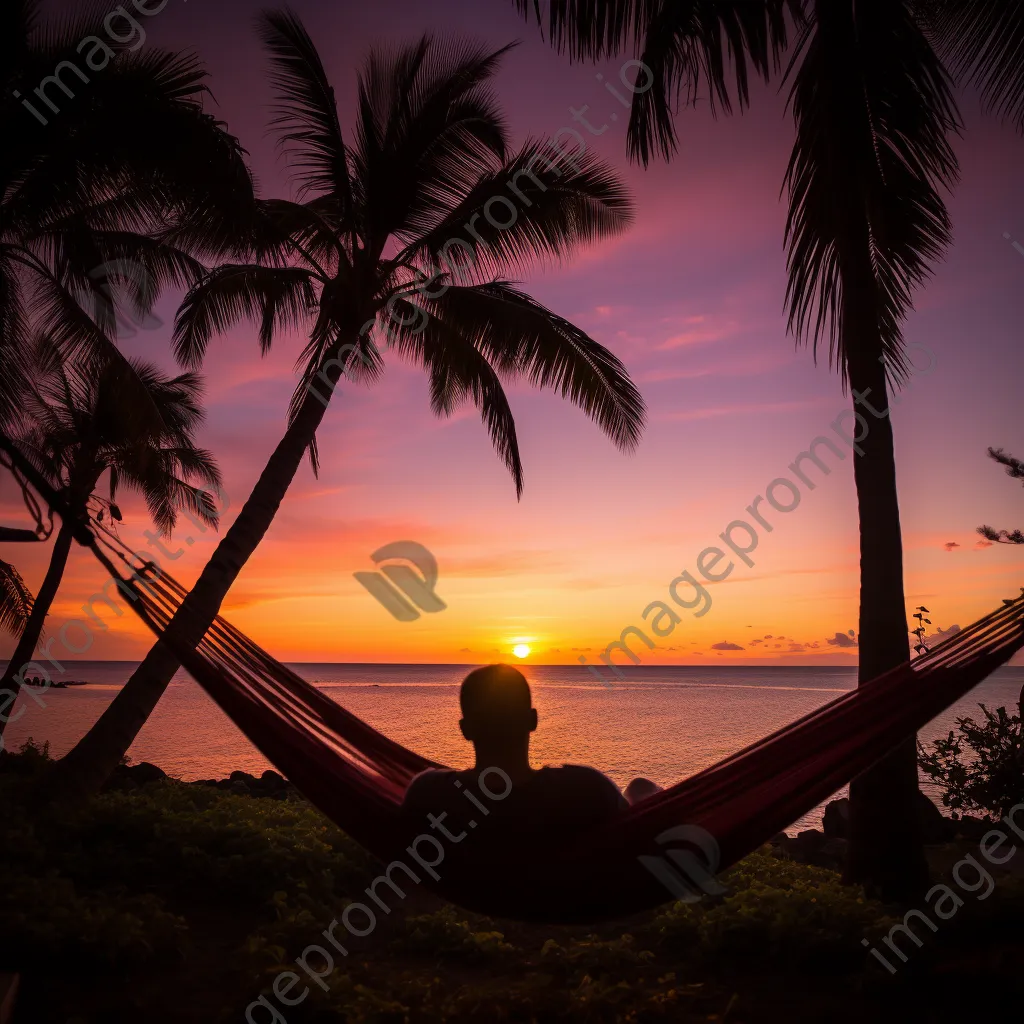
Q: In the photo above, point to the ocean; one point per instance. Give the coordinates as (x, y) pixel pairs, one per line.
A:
(661, 722)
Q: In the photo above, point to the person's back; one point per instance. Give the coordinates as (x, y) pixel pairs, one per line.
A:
(551, 802)
(502, 800)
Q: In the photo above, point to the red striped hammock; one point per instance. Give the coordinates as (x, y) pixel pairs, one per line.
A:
(357, 776)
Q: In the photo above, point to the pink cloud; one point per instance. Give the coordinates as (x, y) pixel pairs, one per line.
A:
(712, 412)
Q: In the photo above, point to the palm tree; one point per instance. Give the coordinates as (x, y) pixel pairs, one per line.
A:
(86, 428)
(873, 110)
(122, 188)
(15, 599)
(357, 260)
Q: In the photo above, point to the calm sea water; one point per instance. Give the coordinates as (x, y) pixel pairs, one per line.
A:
(664, 723)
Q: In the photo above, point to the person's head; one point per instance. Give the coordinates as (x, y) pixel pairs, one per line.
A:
(497, 713)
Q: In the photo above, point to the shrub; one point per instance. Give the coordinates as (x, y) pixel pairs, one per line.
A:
(991, 777)
(46, 919)
(445, 933)
(777, 910)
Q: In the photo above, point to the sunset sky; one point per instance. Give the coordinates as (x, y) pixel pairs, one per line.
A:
(691, 299)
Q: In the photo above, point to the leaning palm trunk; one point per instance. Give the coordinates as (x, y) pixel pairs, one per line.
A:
(88, 765)
(24, 652)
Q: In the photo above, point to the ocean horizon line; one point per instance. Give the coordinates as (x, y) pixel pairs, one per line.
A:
(629, 669)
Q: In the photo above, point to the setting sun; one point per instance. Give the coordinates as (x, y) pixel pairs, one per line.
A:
(521, 650)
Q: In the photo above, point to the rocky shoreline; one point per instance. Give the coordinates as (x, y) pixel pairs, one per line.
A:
(270, 784)
(827, 847)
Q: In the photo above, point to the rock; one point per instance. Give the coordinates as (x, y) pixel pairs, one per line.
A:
(811, 838)
(244, 777)
(934, 827)
(273, 780)
(836, 820)
(806, 846)
(780, 839)
(834, 852)
(971, 828)
(131, 776)
(144, 773)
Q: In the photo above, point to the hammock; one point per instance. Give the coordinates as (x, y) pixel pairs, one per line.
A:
(357, 776)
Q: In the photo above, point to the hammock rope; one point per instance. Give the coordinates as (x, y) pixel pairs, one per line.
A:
(357, 776)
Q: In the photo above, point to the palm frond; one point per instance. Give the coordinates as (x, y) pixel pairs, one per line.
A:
(275, 297)
(984, 43)
(307, 114)
(874, 110)
(458, 372)
(15, 600)
(428, 125)
(1014, 467)
(521, 337)
(540, 205)
(684, 48)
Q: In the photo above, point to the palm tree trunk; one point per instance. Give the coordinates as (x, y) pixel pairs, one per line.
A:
(25, 651)
(885, 852)
(88, 765)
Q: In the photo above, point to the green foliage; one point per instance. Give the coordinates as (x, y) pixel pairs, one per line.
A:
(443, 934)
(1015, 470)
(45, 916)
(919, 613)
(988, 778)
(146, 886)
(777, 910)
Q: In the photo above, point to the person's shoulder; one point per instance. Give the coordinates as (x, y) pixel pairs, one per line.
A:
(426, 785)
(583, 777)
(578, 772)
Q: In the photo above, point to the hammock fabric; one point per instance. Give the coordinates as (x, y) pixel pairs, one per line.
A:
(357, 776)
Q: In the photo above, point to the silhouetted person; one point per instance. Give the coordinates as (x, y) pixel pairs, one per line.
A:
(498, 718)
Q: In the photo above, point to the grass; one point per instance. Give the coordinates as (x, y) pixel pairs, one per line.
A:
(182, 903)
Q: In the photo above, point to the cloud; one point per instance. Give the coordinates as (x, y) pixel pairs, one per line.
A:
(554, 650)
(767, 636)
(465, 650)
(950, 545)
(796, 647)
(740, 409)
(983, 544)
(940, 634)
(754, 643)
(842, 640)
(726, 646)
